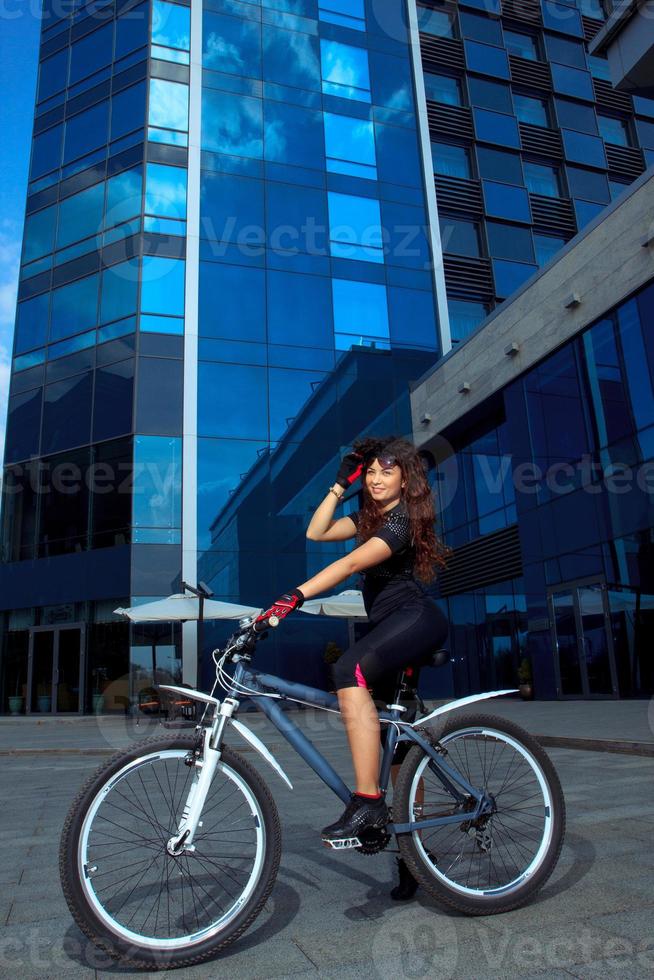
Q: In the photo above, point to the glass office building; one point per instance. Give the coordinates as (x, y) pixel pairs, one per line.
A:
(250, 224)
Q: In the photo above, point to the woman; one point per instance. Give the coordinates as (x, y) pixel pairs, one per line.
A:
(396, 545)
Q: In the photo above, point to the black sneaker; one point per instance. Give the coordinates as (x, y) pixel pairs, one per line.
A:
(360, 814)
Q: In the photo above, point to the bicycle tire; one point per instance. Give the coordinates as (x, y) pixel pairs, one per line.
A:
(425, 866)
(85, 914)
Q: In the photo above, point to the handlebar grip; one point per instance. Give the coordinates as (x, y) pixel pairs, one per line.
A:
(259, 627)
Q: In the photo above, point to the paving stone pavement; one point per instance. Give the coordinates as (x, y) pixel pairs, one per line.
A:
(330, 914)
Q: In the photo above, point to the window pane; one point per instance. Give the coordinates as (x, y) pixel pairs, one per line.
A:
(296, 218)
(81, 215)
(509, 242)
(350, 146)
(465, 316)
(487, 60)
(288, 392)
(221, 387)
(565, 51)
(585, 211)
(301, 69)
(645, 133)
(159, 396)
(523, 45)
(32, 323)
(560, 17)
(128, 110)
(355, 227)
(531, 110)
(345, 70)
(599, 67)
(67, 413)
(438, 22)
(443, 88)
(241, 313)
(581, 148)
(23, 425)
(546, 247)
(119, 291)
(588, 184)
(506, 201)
(231, 44)
(572, 81)
(299, 310)
(450, 160)
(576, 115)
(86, 131)
(495, 127)
(165, 190)
(74, 308)
(232, 124)
(616, 188)
(52, 75)
(222, 464)
(168, 106)
(38, 237)
(614, 130)
(360, 309)
(458, 236)
(347, 13)
(114, 389)
(132, 30)
(92, 52)
(230, 207)
(46, 152)
(123, 197)
(541, 179)
(499, 165)
(171, 25)
(509, 276)
(157, 482)
(480, 28)
(490, 95)
(162, 289)
(293, 134)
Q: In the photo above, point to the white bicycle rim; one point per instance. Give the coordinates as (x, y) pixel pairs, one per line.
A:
(207, 932)
(548, 828)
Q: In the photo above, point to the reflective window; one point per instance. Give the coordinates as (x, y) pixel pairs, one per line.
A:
(159, 396)
(132, 30)
(542, 179)
(52, 75)
(38, 237)
(119, 291)
(398, 161)
(576, 115)
(168, 105)
(222, 465)
(643, 106)
(614, 130)
(355, 227)
(464, 315)
(165, 190)
(231, 208)
(591, 8)
(441, 23)
(616, 188)
(488, 6)
(23, 425)
(572, 81)
(350, 146)
(67, 413)
(559, 17)
(599, 67)
(531, 110)
(157, 495)
(451, 160)
(231, 44)
(241, 313)
(171, 25)
(645, 132)
(581, 148)
(86, 131)
(509, 242)
(496, 127)
(91, 52)
(223, 387)
(162, 285)
(32, 323)
(443, 88)
(288, 392)
(546, 247)
(296, 218)
(299, 309)
(123, 197)
(588, 184)
(81, 215)
(63, 520)
(523, 45)
(46, 152)
(565, 51)
(293, 134)
(128, 110)
(112, 400)
(480, 28)
(486, 59)
(392, 81)
(232, 123)
(302, 69)
(499, 165)
(509, 276)
(360, 311)
(345, 70)
(347, 13)
(458, 236)
(506, 201)
(585, 211)
(74, 308)
(489, 95)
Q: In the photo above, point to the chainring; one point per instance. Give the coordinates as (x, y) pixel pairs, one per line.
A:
(373, 841)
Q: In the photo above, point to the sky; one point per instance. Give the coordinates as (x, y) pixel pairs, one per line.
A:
(19, 54)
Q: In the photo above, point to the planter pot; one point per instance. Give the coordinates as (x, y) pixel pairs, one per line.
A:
(98, 703)
(44, 702)
(527, 692)
(15, 705)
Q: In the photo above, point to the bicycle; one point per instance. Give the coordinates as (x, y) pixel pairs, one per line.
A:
(172, 847)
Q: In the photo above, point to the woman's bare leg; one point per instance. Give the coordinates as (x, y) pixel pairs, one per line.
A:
(361, 722)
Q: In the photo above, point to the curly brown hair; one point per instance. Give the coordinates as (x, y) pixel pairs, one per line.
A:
(417, 497)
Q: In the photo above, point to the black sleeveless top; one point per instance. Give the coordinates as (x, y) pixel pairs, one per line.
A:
(387, 585)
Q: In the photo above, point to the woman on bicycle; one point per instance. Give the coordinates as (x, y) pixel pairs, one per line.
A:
(396, 547)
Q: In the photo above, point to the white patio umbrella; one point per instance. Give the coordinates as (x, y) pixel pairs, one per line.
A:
(348, 604)
(182, 607)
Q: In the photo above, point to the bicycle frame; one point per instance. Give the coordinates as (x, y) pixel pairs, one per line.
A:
(399, 731)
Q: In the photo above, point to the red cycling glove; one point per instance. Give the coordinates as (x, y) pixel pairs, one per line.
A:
(283, 606)
(350, 470)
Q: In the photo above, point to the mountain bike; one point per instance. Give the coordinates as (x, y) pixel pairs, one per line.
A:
(172, 847)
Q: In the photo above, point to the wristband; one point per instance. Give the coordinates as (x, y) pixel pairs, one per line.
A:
(339, 496)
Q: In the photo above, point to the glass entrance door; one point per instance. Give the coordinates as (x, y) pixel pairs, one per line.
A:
(582, 640)
(56, 669)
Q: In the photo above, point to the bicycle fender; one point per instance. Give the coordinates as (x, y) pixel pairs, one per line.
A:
(257, 744)
(461, 703)
(189, 692)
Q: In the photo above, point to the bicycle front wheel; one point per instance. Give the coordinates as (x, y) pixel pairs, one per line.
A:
(134, 899)
(499, 861)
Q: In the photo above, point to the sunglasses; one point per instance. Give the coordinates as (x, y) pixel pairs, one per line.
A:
(386, 461)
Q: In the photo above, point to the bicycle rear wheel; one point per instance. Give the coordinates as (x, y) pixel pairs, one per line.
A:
(134, 899)
(497, 862)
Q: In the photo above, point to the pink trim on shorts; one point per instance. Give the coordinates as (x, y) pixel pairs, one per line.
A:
(360, 679)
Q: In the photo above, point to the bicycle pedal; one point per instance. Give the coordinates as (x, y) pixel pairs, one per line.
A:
(346, 844)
